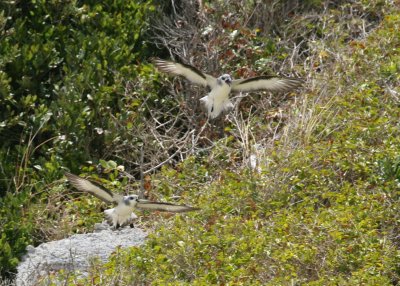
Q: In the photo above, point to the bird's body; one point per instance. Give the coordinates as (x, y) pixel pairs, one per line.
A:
(122, 214)
(217, 100)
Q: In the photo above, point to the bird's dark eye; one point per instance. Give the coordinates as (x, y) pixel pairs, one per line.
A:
(131, 198)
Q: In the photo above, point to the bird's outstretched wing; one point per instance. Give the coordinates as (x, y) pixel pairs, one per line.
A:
(96, 190)
(271, 83)
(189, 72)
(166, 207)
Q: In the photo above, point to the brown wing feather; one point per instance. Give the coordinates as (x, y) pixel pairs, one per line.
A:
(189, 72)
(166, 207)
(93, 188)
(271, 83)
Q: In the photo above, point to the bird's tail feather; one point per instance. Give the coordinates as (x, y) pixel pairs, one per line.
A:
(214, 108)
(114, 219)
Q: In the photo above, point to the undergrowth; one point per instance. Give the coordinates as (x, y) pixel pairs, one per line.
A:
(320, 206)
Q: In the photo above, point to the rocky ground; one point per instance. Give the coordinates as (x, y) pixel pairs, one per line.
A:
(74, 254)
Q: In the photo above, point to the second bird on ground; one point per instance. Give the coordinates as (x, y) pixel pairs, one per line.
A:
(217, 100)
(122, 214)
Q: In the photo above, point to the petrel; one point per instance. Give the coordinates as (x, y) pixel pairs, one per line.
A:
(122, 214)
(217, 100)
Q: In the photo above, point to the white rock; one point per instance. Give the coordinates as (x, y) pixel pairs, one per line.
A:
(74, 253)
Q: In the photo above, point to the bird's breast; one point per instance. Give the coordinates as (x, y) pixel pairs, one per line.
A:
(123, 209)
(220, 92)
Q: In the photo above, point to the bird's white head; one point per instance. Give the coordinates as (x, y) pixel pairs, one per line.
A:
(131, 200)
(226, 78)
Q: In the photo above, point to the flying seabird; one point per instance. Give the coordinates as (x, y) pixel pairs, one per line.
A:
(122, 214)
(217, 100)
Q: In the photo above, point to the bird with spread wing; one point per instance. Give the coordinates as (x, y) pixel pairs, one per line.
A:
(122, 214)
(217, 100)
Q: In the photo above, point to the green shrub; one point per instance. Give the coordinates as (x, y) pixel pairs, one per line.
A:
(323, 207)
(16, 230)
(64, 66)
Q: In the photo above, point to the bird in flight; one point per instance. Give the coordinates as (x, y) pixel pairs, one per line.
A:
(122, 214)
(217, 100)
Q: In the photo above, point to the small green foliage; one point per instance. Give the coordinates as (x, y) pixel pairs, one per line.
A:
(64, 66)
(16, 230)
(321, 206)
(321, 210)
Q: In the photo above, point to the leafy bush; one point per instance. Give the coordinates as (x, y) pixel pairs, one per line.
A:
(319, 203)
(63, 69)
(321, 208)
(16, 230)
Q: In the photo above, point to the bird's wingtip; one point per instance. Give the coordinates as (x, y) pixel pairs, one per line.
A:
(69, 175)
